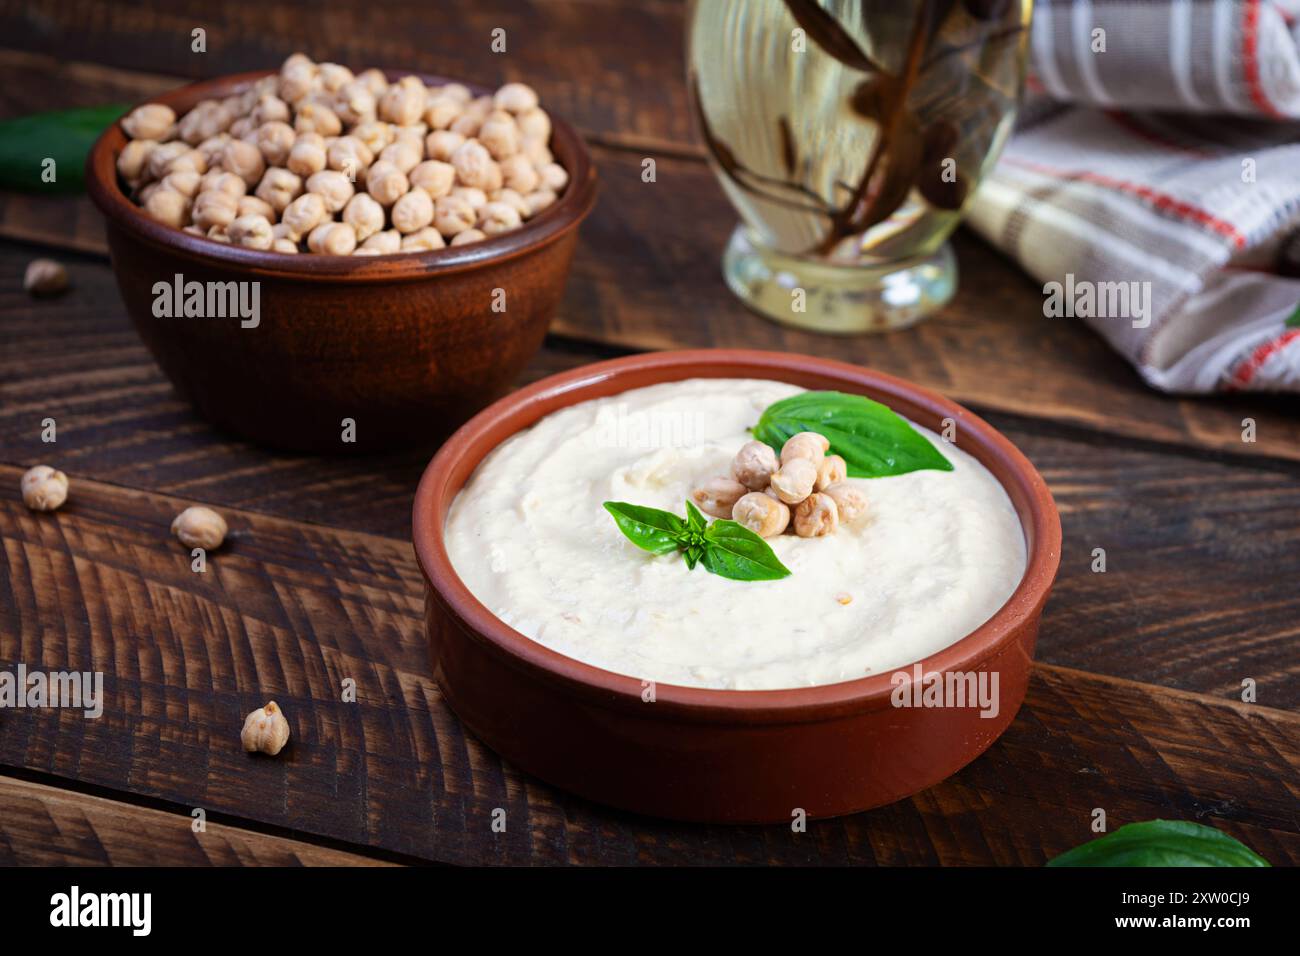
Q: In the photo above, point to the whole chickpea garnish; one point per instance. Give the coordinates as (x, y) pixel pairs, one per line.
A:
(718, 496)
(270, 108)
(402, 103)
(376, 134)
(403, 154)
(807, 445)
(220, 181)
(433, 176)
(849, 500)
(308, 155)
(265, 730)
(44, 488)
(355, 103)
(794, 480)
(349, 153)
(304, 214)
(333, 77)
(317, 118)
(184, 181)
(132, 160)
(160, 158)
(832, 469)
(150, 121)
(753, 465)
(500, 136)
(476, 167)
(275, 139)
(815, 516)
(278, 188)
(765, 516)
(441, 111)
(168, 206)
(214, 208)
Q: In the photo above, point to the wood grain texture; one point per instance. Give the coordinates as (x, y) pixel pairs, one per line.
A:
(49, 826)
(289, 611)
(1201, 553)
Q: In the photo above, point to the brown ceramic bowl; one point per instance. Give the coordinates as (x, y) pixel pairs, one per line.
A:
(405, 345)
(721, 755)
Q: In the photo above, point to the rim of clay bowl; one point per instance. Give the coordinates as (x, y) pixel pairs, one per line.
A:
(462, 453)
(565, 214)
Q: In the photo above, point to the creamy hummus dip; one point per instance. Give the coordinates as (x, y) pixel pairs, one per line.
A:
(938, 554)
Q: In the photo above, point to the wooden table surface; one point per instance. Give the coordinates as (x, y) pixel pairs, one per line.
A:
(1135, 705)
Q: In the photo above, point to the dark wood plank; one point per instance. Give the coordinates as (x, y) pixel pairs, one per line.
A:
(609, 66)
(290, 610)
(41, 825)
(1201, 553)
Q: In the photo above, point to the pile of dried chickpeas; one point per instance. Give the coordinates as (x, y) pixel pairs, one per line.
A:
(804, 491)
(317, 159)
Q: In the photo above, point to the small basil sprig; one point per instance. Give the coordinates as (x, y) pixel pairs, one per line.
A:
(873, 441)
(1161, 843)
(724, 548)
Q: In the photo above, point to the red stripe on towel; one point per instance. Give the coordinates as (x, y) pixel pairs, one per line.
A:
(1250, 56)
(1246, 371)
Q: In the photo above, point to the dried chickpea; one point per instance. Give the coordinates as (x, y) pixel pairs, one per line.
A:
(199, 527)
(434, 177)
(275, 139)
(517, 173)
(423, 240)
(333, 187)
(251, 230)
(284, 245)
(376, 134)
(190, 161)
(754, 464)
(333, 76)
(161, 157)
(457, 91)
(513, 200)
(466, 237)
(477, 198)
(278, 188)
(205, 120)
(303, 215)
(254, 206)
(184, 181)
(453, 215)
(44, 488)
(45, 277)
(355, 103)
(500, 136)
(347, 154)
(815, 516)
(384, 243)
(807, 445)
(554, 177)
(832, 469)
(402, 103)
(440, 144)
(535, 123)
(265, 730)
(794, 480)
(539, 200)
(215, 208)
(364, 214)
(412, 212)
(317, 118)
(332, 239)
(402, 154)
(211, 149)
(538, 153)
(515, 98)
(308, 155)
(765, 516)
(498, 217)
(218, 234)
(150, 121)
(849, 500)
(132, 161)
(475, 166)
(168, 207)
(244, 160)
(441, 111)
(718, 496)
(270, 109)
(218, 180)
(386, 182)
(467, 124)
(297, 79)
(374, 80)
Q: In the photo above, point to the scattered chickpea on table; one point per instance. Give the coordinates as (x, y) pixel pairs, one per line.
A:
(317, 159)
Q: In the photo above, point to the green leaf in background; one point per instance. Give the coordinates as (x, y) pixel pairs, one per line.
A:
(873, 441)
(648, 528)
(1294, 321)
(1161, 843)
(66, 136)
(733, 551)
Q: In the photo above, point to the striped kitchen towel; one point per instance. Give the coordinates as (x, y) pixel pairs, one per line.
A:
(1153, 184)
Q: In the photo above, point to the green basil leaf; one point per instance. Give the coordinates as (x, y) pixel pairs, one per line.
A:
(694, 520)
(64, 136)
(1161, 843)
(692, 555)
(648, 528)
(733, 551)
(873, 440)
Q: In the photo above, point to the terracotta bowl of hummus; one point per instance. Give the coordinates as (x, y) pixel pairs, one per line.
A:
(893, 654)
